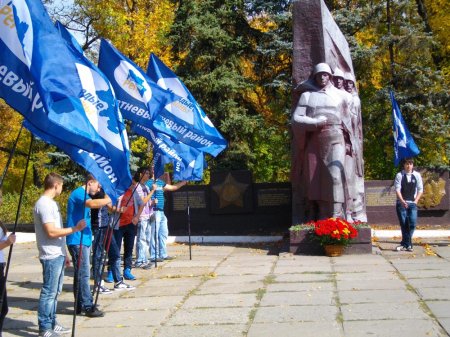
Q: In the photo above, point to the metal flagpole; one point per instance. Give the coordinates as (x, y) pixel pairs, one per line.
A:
(77, 274)
(8, 262)
(11, 154)
(189, 225)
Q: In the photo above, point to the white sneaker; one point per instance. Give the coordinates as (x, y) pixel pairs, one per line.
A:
(400, 248)
(123, 286)
(104, 291)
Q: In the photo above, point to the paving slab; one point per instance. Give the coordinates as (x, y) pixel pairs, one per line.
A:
(144, 303)
(298, 298)
(381, 311)
(373, 296)
(370, 284)
(295, 329)
(290, 313)
(304, 277)
(434, 293)
(440, 309)
(441, 282)
(362, 276)
(295, 269)
(445, 322)
(229, 288)
(301, 286)
(220, 300)
(209, 316)
(393, 328)
(216, 330)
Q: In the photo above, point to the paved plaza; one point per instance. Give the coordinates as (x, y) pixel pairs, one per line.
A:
(256, 291)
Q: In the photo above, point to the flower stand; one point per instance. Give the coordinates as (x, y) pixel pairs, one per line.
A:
(302, 242)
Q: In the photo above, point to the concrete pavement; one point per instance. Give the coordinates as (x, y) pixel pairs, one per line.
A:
(251, 290)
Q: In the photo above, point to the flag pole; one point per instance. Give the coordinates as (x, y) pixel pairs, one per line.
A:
(77, 274)
(11, 154)
(8, 262)
(189, 224)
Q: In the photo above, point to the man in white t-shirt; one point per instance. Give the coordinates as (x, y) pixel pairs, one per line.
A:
(51, 244)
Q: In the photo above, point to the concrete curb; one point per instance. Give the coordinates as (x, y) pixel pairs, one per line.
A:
(198, 239)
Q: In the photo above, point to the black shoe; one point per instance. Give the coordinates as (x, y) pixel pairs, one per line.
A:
(93, 312)
(169, 258)
(158, 260)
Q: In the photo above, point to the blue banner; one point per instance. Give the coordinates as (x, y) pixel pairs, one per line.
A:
(184, 119)
(99, 166)
(40, 78)
(404, 145)
(111, 127)
(188, 163)
(139, 98)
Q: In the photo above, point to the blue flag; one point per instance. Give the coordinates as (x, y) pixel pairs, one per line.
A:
(404, 146)
(40, 78)
(99, 166)
(188, 163)
(111, 127)
(138, 96)
(184, 119)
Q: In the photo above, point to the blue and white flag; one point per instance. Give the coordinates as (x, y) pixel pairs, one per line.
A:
(138, 96)
(184, 119)
(188, 162)
(99, 166)
(111, 127)
(404, 146)
(40, 78)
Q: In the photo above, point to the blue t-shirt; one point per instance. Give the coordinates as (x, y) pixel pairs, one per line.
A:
(159, 193)
(75, 207)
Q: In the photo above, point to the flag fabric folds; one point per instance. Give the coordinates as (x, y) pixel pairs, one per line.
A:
(404, 145)
(99, 166)
(184, 119)
(40, 78)
(188, 162)
(111, 127)
(139, 98)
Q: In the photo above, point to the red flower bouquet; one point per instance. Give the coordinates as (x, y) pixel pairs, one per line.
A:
(334, 231)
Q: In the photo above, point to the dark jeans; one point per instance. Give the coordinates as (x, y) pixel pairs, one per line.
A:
(98, 246)
(407, 218)
(127, 233)
(4, 310)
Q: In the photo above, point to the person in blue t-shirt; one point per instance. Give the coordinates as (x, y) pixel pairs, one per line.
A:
(158, 250)
(78, 207)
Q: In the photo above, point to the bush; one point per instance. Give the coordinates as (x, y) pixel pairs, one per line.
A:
(8, 209)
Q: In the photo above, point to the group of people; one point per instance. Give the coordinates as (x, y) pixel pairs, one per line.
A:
(328, 170)
(92, 221)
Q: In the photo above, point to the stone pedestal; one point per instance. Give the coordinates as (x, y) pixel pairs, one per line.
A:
(302, 242)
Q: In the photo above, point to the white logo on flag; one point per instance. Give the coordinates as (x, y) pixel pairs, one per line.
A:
(132, 81)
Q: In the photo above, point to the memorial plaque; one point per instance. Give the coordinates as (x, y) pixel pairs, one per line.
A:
(273, 197)
(231, 192)
(196, 199)
(380, 196)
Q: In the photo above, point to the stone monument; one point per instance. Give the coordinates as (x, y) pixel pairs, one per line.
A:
(327, 163)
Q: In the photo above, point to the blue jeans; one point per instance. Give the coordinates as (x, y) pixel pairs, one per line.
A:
(52, 276)
(407, 218)
(127, 233)
(162, 231)
(114, 259)
(144, 234)
(85, 300)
